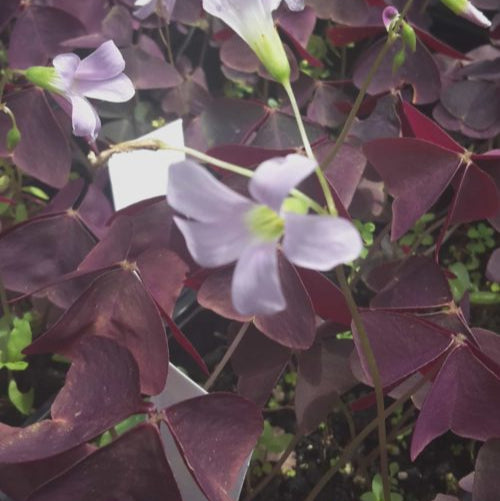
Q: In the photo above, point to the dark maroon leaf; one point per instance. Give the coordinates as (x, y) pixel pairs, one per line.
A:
(38, 35)
(42, 138)
(486, 480)
(133, 467)
(149, 72)
(462, 399)
(294, 327)
(246, 156)
(418, 283)
(9, 8)
(20, 480)
(382, 122)
(327, 299)
(257, 375)
(115, 306)
(419, 70)
(40, 251)
(98, 363)
(416, 172)
(342, 35)
(344, 173)
(323, 375)
(323, 107)
(237, 55)
(136, 229)
(95, 210)
(488, 342)
(225, 121)
(279, 131)
(90, 13)
(401, 343)
(424, 128)
(215, 435)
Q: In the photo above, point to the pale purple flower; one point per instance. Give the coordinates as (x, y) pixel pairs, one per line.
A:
(148, 7)
(224, 227)
(252, 20)
(98, 76)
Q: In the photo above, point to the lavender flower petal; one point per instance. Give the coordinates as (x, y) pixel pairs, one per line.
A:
(115, 90)
(66, 66)
(256, 288)
(104, 63)
(320, 242)
(274, 178)
(214, 244)
(194, 192)
(295, 5)
(84, 118)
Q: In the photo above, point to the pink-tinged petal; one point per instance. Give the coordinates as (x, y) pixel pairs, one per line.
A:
(256, 287)
(474, 15)
(388, 14)
(194, 192)
(320, 242)
(105, 62)
(275, 178)
(84, 118)
(217, 243)
(115, 90)
(66, 66)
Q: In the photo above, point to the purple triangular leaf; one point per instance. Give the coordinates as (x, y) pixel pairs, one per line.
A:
(41, 137)
(416, 172)
(401, 343)
(323, 375)
(74, 417)
(418, 283)
(257, 375)
(115, 306)
(215, 435)
(133, 467)
(462, 399)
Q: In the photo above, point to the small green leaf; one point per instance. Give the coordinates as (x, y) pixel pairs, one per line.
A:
(20, 337)
(377, 487)
(36, 192)
(367, 496)
(14, 366)
(21, 213)
(396, 497)
(484, 297)
(23, 402)
(461, 283)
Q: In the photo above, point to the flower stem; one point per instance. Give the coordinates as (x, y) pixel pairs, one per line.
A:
(307, 145)
(225, 359)
(350, 450)
(375, 377)
(155, 145)
(364, 87)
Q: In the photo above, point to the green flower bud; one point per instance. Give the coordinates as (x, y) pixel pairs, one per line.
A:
(398, 60)
(408, 35)
(13, 138)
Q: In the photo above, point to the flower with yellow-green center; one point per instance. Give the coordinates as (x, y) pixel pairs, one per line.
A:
(222, 227)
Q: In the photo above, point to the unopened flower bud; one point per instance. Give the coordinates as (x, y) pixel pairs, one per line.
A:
(409, 37)
(13, 138)
(465, 9)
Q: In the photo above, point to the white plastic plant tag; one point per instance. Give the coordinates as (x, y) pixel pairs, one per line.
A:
(178, 388)
(142, 174)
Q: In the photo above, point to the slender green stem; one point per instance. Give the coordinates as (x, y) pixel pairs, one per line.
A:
(362, 91)
(155, 145)
(375, 377)
(307, 145)
(350, 450)
(225, 359)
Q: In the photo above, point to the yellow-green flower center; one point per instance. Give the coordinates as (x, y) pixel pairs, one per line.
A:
(264, 223)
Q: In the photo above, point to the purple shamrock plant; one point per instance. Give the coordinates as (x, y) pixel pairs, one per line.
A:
(302, 292)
